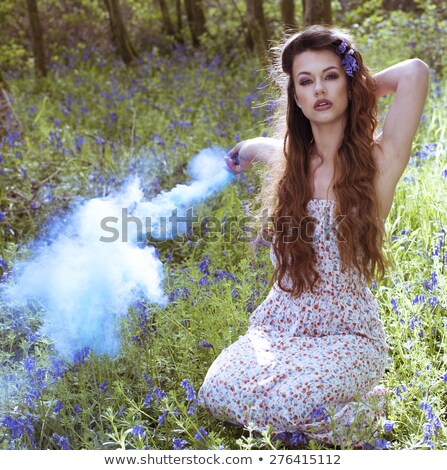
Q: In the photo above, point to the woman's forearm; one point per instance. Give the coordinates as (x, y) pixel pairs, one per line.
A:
(389, 79)
(266, 149)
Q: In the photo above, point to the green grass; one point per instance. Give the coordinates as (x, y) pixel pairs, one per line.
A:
(88, 129)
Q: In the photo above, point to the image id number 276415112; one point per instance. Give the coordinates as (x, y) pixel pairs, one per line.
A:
(305, 459)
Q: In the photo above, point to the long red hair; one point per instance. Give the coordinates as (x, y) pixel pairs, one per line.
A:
(287, 190)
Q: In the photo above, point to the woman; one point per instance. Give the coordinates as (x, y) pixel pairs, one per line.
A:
(315, 350)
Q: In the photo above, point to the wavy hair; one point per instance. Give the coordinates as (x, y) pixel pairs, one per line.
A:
(287, 190)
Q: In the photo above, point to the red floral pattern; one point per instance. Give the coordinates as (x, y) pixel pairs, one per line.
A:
(306, 364)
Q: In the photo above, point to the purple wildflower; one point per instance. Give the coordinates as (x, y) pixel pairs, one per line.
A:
(138, 431)
(204, 344)
(162, 418)
(382, 444)
(179, 443)
(62, 441)
(201, 435)
(58, 407)
(190, 394)
(298, 438)
(347, 58)
(29, 365)
(204, 265)
(81, 355)
(388, 426)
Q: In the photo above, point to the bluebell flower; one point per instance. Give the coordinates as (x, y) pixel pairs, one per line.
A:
(190, 394)
(204, 281)
(179, 443)
(204, 265)
(103, 387)
(138, 431)
(201, 435)
(431, 426)
(204, 344)
(160, 394)
(81, 355)
(397, 391)
(62, 441)
(298, 438)
(382, 444)
(162, 418)
(76, 409)
(29, 365)
(388, 426)
(444, 378)
(58, 407)
(2, 216)
(221, 274)
(20, 426)
(58, 367)
(395, 305)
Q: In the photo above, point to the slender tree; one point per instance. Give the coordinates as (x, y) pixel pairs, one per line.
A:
(405, 5)
(120, 38)
(37, 38)
(167, 23)
(288, 14)
(257, 28)
(317, 12)
(8, 119)
(196, 20)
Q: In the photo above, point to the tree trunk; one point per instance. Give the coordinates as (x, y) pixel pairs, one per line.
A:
(257, 28)
(167, 23)
(9, 122)
(288, 14)
(196, 20)
(37, 38)
(404, 5)
(120, 38)
(179, 27)
(317, 12)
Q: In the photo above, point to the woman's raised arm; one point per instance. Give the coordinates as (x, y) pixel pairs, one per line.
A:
(409, 81)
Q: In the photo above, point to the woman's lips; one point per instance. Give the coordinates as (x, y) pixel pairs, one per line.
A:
(322, 105)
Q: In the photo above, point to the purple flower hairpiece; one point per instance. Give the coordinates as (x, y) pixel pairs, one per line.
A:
(347, 58)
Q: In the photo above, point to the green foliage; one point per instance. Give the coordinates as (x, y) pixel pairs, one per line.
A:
(388, 36)
(90, 125)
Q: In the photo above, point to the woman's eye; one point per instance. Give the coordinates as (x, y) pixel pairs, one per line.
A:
(332, 77)
(304, 82)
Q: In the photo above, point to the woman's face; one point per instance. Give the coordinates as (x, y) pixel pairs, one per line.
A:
(321, 86)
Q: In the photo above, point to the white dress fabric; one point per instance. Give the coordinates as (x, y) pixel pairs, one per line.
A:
(308, 364)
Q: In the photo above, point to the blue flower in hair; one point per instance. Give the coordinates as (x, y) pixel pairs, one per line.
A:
(348, 61)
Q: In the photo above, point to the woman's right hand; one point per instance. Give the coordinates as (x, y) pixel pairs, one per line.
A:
(240, 158)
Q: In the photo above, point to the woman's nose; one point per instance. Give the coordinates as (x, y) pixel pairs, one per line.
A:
(319, 88)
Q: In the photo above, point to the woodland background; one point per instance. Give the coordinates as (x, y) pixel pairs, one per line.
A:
(95, 92)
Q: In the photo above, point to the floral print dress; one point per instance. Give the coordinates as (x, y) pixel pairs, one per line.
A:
(308, 364)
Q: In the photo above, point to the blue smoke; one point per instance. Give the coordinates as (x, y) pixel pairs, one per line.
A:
(84, 284)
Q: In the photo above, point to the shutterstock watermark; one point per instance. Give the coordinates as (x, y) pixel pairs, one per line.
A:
(189, 226)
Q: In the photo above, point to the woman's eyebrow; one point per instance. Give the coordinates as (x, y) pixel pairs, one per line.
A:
(325, 70)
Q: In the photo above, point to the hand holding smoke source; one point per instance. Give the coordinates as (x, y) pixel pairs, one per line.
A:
(85, 281)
